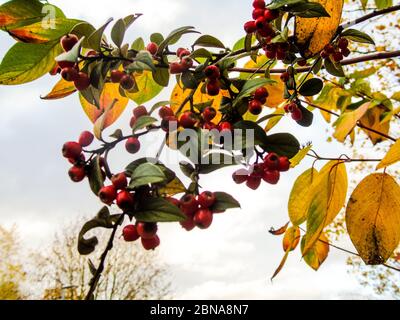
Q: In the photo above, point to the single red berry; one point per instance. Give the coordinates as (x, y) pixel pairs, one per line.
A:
(261, 93)
(69, 41)
(174, 201)
(176, 68)
(225, 126)
(119, 181)
(151, 244)
(189, 205)
(260, 4)
(212, 72)
(152, 47)
(329, 49)
(82, 82)
(210, 126)
(125, 200)
(182, 52)
(284, 164)
(297, 115)
(302, 62)
(260, 22)
(271, 161)
(127, 82)
(253, 182)
(337, 56)
(86, 138)
(291, 107)
(169, 124)
(271, 176)
(250, 26)
(188, 224)
(240, 176)
(108, 194)
(270, 15)
(270, 54)
(266, 31)
(69, 74)
(186, 63)
(72, 150)
(166, 112)
(280, 55)
(80, 160)
(255, 107)
(213, 87)
(132, 122)
(147, 230)
(117, 75)
(203, 218)
(66, 64)
(343, 43)
(132, 145)
(345, 52)
(257, 13)
(206, 199)
(77, 173)
(324, 54)
(285, 77)
(130, 233)
(140, 111)
(188, 120)
(92, 53)
(209, 114)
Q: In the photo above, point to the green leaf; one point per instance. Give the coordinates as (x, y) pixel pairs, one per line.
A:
(159, 210)
(19, 13)
(147, 88)
(94, 40)
(157, 38)
(142, 61)
(260, 136)
(278, 4)
(174, 36)
(26, 62)
(95, 175)
(209, 41)
(284, 144)
(143, 122)
(118, 32)
(224, 202)
(201, 53)
(146, 173)
(334, 69)
(357, 36)
(382, 4)
(250, 86)
(365, 73)
(138, 44)
(311, 87)
(215, 161)
(308, 10)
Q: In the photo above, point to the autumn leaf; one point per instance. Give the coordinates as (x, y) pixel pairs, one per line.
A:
(19, 13)
(318, 253)
(61, 90)
(391, 157)
(280, 231)
(148, 89)
(299, 157)
(328, 99)
(372, 119)
(313, 34)
(273, 121)
(291, 239)
(173, 188)
(373, 218)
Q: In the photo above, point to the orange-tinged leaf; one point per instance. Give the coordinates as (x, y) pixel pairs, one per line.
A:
(110, 92)
(372, 119)
(291, 239)
(100, 123)
(281, 265)
(312, 34)
(20, 12)
(318, 253)
(61, 90)
(373, 218)
(279, 231)
(391, 157)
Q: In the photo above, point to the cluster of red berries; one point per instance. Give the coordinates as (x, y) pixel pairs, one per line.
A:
(146, 231)
(269, 171)
(336, 51)
(69, 71)
(276, 50)
(259, 99)
(184, 63)
(261, 23)
(294, 110)
(213, 74)
(73, 152)
(125, 80)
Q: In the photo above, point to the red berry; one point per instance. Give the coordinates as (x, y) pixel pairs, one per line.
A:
(125, 200)
(151, 244)
(209, 114)
(345, 52)
(343, 43)
(250, 26)
(337, 56)
(140, 111)
(271, 161)
(186, 63)
(130, 233)
(146, 230)
(66, 64)
(206, 199)
(86, 138)
(203, 218)
(119, 181)
(297, 114)
(77, 173)
(72, 150)
(270, 15)
(284, 164)
(260, 22)
(174, 201)
(240, 176)
(285, 77)
(302, 62)
(127, 82)
(255, 107)
(212, 72)
(225, 126)
(91, 53)
(166, 112)
(132, 122)
(324, 54)
(291, 107)
(210, 126)
(270, 54)
(169, 124)
(69, 74)
(132, 145)
(257, 13)
(82, 82)
(271, 176)
(188, 224)
(69, 41)
(189, 205)
(117, 75)
(152, 47)
(253, 182)
(261, 93)
(329, 49)
(80, 160)
(266, 31)
(176, 68)
(213, 87)
(188, 120)
(260, 4)
(280, 55)
(182, 52)
(108, 194)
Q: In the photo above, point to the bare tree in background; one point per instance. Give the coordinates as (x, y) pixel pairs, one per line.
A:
(130, 273)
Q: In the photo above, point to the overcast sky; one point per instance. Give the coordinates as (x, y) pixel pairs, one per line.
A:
(236, 256)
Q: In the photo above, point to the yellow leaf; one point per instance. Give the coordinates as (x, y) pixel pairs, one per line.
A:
(372, 119)
(110, 92)
(328, 99)
(173, 188)
(275, 120)
(295, 161)
(347, 122)
(61, 90)
(281, 265)
(318, 253)
(313, 34)
(99, 125)
(300, 197)
(392, 157)
(147, 88)
(373, 218)
(291, 239)
(328, 197)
